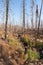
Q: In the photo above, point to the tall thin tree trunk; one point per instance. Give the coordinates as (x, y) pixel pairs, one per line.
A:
(23, 15)
(36, 16)
(40, 18)
(32, 10)
(7, 8)
(36, 24)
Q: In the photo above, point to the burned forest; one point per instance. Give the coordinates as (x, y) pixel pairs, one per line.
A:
(21, 32)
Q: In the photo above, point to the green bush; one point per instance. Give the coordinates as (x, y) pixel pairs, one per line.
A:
(32, 55)
(31, 43)
(24, 40)
(11, 40)
(20, 48)
(15, 42)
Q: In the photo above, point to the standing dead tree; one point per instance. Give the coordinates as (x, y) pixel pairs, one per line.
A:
(27, 25)
(40, 18)
(23, 15)
(36, 16)
(7, 8)
(32, 10)
(36, 23)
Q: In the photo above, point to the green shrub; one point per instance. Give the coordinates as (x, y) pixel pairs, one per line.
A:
(24, 40)
(20, 48)
(31, 43)
(15, 42)
(11, 40)
(32, 55)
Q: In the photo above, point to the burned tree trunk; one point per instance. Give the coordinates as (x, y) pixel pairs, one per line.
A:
(7, 8)
(39, 18)
(23, 15)
(36, 23)
(36, 16)
(32, 15)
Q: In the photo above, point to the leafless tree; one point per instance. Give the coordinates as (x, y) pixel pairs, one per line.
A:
(36, 23)
(40, 17)
(23, 15)
(36, 16)
(32, 14)
(7, 9)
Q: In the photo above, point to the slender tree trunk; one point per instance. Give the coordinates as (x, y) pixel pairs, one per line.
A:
(36, 16)
(23, 15)
(36, 23)
(7, 8)
(32, 10)
(39, 19)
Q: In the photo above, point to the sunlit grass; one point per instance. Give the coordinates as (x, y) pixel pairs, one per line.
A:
(14, 43)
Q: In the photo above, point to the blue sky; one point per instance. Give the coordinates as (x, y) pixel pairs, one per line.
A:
(15, 11)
